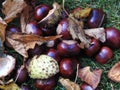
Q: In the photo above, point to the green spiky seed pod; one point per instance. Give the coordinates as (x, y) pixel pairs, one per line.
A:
(42, 67)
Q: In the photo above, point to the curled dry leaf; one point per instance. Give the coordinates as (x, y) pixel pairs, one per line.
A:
(2, 29)
(10, 86)
(92, 78)
(53, 16)
(77, 31)
(26, 17)
(114, 73)
(82, 13)
(7, 64)
(22, 42)
(69, 85)
(2, 35)
(11, 8)
(98, 33)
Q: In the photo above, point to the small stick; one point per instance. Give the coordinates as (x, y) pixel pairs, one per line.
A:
(76, 73)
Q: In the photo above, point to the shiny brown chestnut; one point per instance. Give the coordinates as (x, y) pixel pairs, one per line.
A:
(104, 55)
(37, 50)
(21, 75)
(112, 37)
(48, 31)
(68, 48)
(85, 86)
(63, 29)
(12, 29)
(32, 28)
(25, 87)
(93, 49)
(46, 84)
(64, 15)
(41, 11)
(96, 18)
(68, 67)
(54, 54)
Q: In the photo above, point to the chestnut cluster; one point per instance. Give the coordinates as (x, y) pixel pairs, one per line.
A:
(65, 50)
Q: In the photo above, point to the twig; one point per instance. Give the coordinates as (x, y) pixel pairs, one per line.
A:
(19, 72)
(63, 6)
(76, 73)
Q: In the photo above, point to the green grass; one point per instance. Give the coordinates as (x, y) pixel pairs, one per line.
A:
(112, 9)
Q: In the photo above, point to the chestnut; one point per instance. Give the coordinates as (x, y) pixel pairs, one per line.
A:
(21, 75)
(64, 15)
(68, 67)
(63, 29)
(46, 84)
(25, 87)
(112, 37)
(48, 31)
(12, 29)
(32, 28)
(9, 30)
(93, 48)
(104, 55)
(85, 86)
(54, 54)
(96, 18)
(68, 48)
(37, 50)
(41, 11)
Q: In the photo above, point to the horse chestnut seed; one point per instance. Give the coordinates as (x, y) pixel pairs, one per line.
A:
(68, 67)
(41, 11)
(63, 29)
(68, 48)
(96, 18)
(104, 55)
(93, 49)
(112, 37)
(46, 84)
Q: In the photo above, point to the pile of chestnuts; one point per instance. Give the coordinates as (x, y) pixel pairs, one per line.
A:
(65, 50)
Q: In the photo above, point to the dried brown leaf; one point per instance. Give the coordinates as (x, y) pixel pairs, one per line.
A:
(92, 78)
(114, 73)
(98, 33)
(22, 42)
(11, 8)
(2, 29)
(53, 16)
(2, 36)
(77, 31)
(26, 17)
(69, 85)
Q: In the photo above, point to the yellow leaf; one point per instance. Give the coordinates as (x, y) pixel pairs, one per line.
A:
(10, 86)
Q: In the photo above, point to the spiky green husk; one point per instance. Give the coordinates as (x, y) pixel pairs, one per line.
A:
(42, 67)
